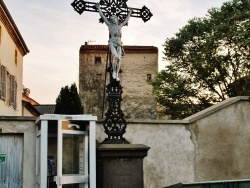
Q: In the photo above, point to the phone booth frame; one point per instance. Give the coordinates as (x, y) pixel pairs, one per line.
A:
(63, 127)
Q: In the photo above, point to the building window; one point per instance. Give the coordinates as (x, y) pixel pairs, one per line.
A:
(149, 77)
(98, 60)
(8, 90)
(3, 82)
(16, 57)
(98, 77)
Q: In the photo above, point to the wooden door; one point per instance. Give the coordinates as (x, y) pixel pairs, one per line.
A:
(11, 150)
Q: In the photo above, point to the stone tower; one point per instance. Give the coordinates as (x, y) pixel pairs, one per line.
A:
(138, 67)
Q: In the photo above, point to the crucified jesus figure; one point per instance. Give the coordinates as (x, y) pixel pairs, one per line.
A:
(115, 44)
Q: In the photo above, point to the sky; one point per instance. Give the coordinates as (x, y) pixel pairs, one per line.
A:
(54, 33)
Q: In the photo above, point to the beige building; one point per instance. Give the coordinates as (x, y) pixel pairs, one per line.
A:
(12, 51)
(138, 67)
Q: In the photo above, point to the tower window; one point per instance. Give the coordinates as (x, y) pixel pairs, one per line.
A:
(149, 77)
(98, 60)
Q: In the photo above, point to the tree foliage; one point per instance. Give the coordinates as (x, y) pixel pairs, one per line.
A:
(68, 101)
(208, 60)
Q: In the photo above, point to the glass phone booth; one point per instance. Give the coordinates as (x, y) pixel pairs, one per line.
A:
(65, 151)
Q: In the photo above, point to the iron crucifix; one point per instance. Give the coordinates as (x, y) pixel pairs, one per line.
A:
(115, 14)
(109, 8)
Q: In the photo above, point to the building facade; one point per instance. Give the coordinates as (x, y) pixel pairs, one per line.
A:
(12, 51)
(138, 67)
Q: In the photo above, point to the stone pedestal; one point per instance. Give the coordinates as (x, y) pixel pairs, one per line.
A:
(120, 165)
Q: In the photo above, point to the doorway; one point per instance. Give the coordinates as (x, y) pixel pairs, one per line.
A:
(11, 160)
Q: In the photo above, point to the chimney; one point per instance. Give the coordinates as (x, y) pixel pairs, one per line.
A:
(26, 92)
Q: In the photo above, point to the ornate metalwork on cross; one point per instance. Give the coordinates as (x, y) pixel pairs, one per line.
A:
(112, 7)
(115, 13)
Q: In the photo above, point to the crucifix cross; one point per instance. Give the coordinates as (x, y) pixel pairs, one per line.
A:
(115, 13)
(118, 8)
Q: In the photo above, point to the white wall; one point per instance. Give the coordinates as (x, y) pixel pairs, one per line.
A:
(171, 155)
(7, 58)
(210, 145)
(222, 142)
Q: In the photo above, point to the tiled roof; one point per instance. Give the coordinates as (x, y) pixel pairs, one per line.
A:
(128, 49)
(28, 99)
(45, 109)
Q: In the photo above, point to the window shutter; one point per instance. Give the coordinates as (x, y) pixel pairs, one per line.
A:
(12, 90)
(15, 95)
(3, 82)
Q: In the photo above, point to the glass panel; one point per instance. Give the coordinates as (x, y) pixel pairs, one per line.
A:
(37, 185)
(52, 156)
(77, 185)
(73, 154)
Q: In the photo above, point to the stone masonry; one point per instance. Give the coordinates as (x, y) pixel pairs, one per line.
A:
(139, 66)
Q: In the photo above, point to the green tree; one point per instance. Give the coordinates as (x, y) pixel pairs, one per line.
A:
(68, 101)
(208, 60)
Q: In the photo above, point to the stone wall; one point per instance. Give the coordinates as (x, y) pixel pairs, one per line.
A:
(210, 145)
(139, 66)
(91, 81)
(138, 101)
